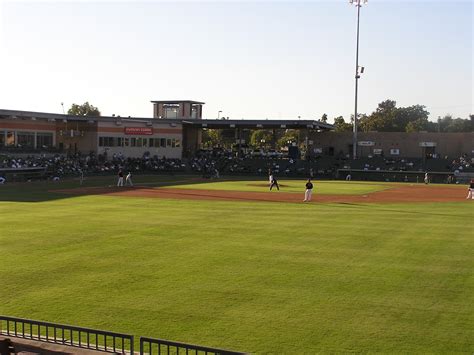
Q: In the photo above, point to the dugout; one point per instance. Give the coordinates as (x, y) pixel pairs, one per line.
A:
(23, 174)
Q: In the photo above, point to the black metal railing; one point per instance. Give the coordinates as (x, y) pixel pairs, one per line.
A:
(78, 337)
(159, 346)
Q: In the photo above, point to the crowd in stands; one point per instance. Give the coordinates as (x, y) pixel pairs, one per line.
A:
(463, 163)
(59, 164)
(211, 163)
(147, 163)
(70, 165)
(217, 162)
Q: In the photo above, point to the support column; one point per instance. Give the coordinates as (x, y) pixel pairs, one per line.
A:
(240, 141)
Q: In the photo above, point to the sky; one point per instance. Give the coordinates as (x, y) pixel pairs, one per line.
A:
(250, 60)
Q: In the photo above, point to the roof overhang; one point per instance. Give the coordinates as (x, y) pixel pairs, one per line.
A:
(259, 124)
(178, 102)
(198, 123)
(24, 115)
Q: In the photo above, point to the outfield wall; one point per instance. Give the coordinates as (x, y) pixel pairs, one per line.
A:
(396, 144)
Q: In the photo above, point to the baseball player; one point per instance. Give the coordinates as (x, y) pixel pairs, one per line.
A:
(120, 178)
(470, 190)
(309, 191)
(128, 179)
(2, 180)
(274, 183)
(427, 178)
(270, 177)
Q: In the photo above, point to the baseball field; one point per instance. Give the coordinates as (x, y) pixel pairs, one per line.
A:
(364, 267)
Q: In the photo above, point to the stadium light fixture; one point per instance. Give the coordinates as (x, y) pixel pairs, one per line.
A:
(358, 70)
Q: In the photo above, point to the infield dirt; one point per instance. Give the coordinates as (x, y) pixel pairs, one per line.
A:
(409, 193)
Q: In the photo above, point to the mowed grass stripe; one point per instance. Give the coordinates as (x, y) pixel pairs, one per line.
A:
(259, 277)
(294, 186)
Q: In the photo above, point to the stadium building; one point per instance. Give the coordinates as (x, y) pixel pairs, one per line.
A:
(176, 127)
(173, 132)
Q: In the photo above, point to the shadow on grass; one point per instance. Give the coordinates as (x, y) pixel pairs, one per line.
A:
(41, 191)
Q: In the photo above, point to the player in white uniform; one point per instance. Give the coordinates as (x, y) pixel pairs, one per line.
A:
(470, 191)
(2, 180)
(427, 178)
(128, 179)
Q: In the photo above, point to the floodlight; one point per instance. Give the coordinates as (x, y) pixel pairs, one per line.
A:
(358, 70)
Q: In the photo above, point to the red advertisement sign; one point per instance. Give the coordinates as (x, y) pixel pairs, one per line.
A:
(138, 130)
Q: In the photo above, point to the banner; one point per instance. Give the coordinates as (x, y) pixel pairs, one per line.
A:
(365, 143)
(427, 144)
(138, 130)
(394, 151)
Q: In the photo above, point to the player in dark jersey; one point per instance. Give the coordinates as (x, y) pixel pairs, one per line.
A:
(309, 191)
(274, 183)
(120, 178)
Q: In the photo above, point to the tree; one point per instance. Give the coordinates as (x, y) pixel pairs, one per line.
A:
(444, 122)
(261, 137)
(390, 118)
(211, 137)
(291, 135)
(341, 126)
(86, 109)
(415, 126)
(324, 118)
(449, 124)
(413, 117)
(383, 118)
(459, 125)
(364, 123)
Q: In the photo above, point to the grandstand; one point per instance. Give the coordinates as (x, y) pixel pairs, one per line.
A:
(36, 145)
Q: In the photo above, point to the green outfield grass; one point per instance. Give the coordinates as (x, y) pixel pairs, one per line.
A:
(295, 186)
(250, 276)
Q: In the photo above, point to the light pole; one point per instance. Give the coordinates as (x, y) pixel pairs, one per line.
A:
(219, 114)
(358, 71)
